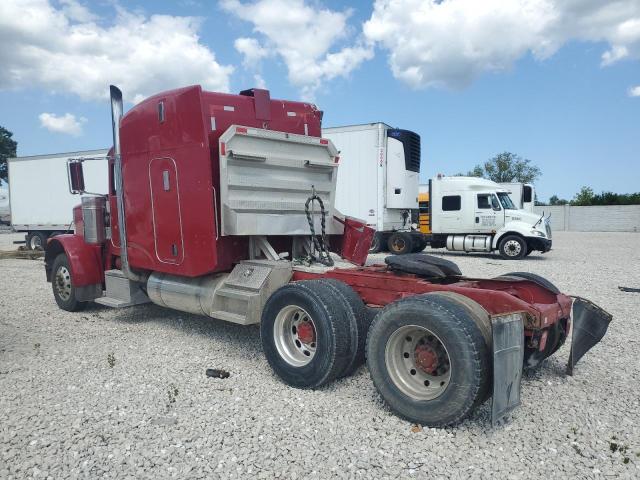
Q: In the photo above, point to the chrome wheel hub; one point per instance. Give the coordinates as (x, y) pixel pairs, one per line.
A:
(63, 283)
(418, 362)
(294, 335)
(512, 248)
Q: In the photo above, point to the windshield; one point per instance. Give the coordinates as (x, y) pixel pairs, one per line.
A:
(506, 202)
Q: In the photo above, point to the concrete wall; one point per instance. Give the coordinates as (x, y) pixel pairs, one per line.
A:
(609, 218)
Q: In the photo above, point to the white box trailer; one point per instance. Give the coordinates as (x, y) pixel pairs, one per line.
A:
(378, 181)
(522, 194)
(39, 197)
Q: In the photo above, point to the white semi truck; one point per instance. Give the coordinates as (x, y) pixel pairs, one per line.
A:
(472, 214)
(378, 182)
(39, 197)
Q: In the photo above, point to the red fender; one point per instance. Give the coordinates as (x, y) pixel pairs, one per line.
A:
(85, 260)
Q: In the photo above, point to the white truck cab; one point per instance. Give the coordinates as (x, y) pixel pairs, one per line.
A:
(476, 215)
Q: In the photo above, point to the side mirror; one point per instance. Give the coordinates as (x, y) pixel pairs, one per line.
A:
(76, 177)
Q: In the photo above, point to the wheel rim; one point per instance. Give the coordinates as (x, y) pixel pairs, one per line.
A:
(418, 362)
(63, 283)
(375, 244)
(398, 244)
(36, 242)
(512, 248)
(294, 334)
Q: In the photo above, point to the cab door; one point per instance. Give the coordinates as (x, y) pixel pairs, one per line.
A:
(489, 215)
(165, 206)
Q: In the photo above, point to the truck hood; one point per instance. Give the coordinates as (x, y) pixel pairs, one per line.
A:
(523, 216)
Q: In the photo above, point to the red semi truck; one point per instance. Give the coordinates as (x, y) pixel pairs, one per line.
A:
(223, 205)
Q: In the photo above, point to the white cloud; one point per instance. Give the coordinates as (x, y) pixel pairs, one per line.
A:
(67, 123)
(66, 50)
(634, 91)
(76, 11)
(451, 42)
(308, 38)
(251, 50)
(260, 81)
(617, 52)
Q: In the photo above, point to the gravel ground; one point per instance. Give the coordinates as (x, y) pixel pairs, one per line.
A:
(123, 393)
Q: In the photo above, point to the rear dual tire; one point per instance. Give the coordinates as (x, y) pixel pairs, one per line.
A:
(400, 243)
(313, 332)
(429, 359)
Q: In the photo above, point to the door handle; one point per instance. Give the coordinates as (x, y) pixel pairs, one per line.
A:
(477, 219)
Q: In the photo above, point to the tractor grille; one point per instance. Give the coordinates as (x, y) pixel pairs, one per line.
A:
(547, 226)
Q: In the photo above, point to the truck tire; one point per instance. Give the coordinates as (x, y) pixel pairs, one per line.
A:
(512, 247)
(62, 283)
(428, 359)
(36, 240)
(419, 243)
(362, 320)
(400, 243)
(376, 243)
(483, 320)
(543, 282)
(320, 351)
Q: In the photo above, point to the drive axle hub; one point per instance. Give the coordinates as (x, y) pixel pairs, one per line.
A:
(306, 333)
(426, 359)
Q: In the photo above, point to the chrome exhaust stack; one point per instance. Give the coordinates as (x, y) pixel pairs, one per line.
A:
(116, 116)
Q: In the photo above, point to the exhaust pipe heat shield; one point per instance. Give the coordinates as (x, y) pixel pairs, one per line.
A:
(590, 323)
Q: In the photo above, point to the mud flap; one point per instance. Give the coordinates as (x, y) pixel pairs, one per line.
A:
(508, 354)
(590, 323)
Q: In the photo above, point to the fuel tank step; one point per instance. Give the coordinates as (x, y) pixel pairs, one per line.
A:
(121, 292)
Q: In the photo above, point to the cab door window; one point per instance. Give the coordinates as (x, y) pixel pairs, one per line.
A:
(484, 201)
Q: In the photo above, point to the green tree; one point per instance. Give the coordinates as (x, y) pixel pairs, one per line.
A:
(476, 172)
(507, 167)
(583, 197)
(8, 148)
(555, 200)
(610, 198)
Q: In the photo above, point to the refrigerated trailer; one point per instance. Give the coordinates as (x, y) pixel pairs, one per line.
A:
(378, 182)
(224, 206)
(39, 197)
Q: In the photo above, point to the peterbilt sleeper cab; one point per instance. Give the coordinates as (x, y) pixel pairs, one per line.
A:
(223, 206)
